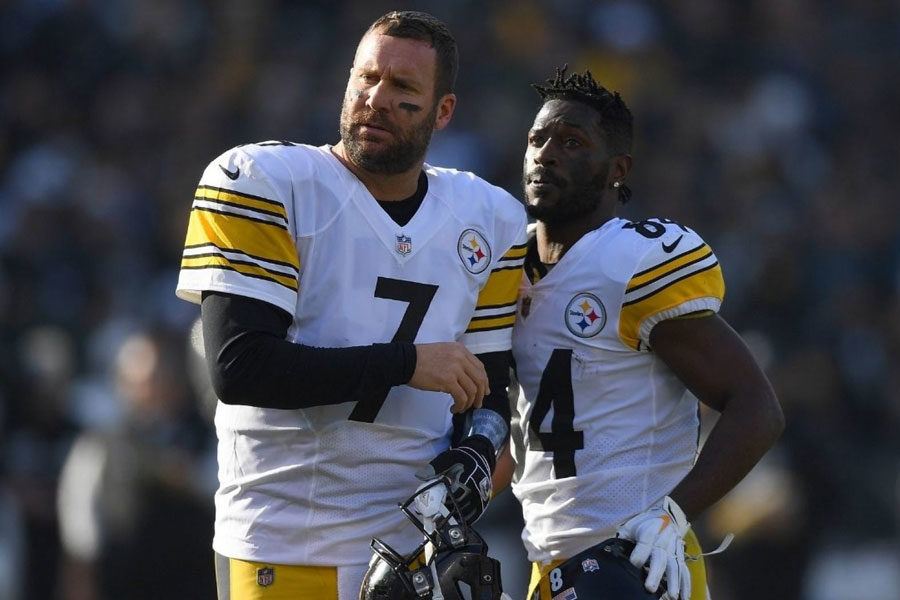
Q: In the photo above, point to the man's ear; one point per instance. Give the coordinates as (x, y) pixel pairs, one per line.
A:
(621, 165)
(445, 107)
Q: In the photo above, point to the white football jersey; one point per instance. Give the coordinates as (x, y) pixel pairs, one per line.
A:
(602, 428)
(290, 225)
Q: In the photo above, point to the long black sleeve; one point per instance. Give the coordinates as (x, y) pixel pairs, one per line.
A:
(251, 363)
(497, 366)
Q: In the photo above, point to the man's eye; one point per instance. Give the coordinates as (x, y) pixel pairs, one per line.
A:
(573, 142)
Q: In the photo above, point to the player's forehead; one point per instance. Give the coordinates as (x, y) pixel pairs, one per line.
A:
(560, 112)
(403, 57)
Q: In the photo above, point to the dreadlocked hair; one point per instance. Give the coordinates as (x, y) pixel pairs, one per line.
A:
(615, 116)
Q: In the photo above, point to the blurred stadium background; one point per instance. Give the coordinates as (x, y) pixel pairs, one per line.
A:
(772, 127)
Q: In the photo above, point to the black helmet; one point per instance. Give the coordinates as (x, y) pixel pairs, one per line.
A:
(452, 563)
(602, 572)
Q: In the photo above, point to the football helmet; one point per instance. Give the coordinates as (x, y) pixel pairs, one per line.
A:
(450, 564)
(602, 572)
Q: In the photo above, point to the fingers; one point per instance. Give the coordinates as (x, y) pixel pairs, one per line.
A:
(450, 367)
(673, 578)
(686, 588)
(474, 383)
(659, 544)
(465, 507)
(685, 581)
(640, 554)
(462, 399)
(657, 567)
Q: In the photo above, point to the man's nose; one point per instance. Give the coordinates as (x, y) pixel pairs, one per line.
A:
(377, 97)
(544, 155)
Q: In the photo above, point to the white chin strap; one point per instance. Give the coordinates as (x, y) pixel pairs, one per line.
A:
(436, 593)
(722, 547)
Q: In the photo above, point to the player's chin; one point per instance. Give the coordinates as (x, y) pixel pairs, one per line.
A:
(546, 209)
(541, 197)
(374, 150)
(372, 143)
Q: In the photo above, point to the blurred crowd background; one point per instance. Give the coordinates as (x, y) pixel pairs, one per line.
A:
(772, 127)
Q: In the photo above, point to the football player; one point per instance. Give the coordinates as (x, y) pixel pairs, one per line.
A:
(617, 324)
(354, 299)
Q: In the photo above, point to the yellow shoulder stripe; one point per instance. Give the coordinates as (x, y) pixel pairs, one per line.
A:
(502, 287)
(217, 261)
(264, 240)
(707, 283)
(673, 264)
(515, 252)
(491, 322)
(239, 199)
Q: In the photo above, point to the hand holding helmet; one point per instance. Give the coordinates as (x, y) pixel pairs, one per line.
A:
(468, 469)
(658, 534)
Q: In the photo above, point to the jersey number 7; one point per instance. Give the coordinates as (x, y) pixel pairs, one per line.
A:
(556, 390)
(418, 296)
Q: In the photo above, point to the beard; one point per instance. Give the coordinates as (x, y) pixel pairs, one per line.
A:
(572, 201)
(408, 148)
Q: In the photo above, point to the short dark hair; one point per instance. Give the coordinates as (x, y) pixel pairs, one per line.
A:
(615, 116)
(424, 27)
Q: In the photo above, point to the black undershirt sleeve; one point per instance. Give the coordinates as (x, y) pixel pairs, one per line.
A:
(497, 366)
(251, 363)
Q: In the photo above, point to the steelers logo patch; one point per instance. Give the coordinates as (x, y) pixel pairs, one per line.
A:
(585, 315)
(474, 251)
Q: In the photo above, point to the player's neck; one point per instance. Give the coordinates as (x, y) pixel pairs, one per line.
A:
(555, 239)
(385, 188)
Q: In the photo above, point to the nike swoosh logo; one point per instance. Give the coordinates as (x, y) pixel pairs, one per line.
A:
(666, 247)
(666, 519)
(231, 174)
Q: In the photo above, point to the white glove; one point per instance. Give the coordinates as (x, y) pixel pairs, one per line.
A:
(658, 534)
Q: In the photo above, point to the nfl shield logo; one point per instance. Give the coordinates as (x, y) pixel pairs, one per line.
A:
(589, 564)
(404, 244)
(265, 576)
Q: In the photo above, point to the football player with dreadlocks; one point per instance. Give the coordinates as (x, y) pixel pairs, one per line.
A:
(617, 337)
